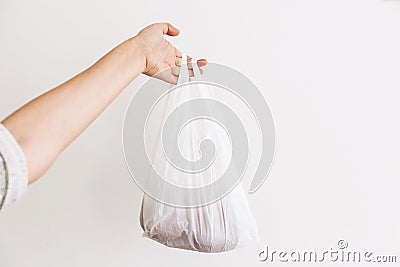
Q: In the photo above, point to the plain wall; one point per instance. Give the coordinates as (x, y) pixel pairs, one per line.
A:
(329, 70)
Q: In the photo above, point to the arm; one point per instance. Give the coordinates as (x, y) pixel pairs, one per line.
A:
(45, 126)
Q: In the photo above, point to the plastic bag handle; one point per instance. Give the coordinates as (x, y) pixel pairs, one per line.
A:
(196, 70)
(183, 70)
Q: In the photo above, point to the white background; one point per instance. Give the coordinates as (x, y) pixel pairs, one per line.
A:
(329, 70)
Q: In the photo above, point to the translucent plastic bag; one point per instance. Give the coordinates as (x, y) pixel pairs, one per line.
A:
(215, 227)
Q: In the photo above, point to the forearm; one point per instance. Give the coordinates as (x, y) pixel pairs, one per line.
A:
(49, 123)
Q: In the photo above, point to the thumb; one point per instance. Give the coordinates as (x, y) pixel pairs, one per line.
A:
(169, 30)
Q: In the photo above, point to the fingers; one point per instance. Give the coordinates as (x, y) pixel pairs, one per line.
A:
(175, 70)
(177, 52)
(178, 61)
(168, 29)
(171, 79)
(202, 62)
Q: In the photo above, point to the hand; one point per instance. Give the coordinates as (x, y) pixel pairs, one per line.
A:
(161, 54)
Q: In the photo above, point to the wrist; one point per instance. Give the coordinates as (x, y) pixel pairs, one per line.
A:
(137, 53)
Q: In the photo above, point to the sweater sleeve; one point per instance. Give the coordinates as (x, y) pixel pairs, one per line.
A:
(13, 169)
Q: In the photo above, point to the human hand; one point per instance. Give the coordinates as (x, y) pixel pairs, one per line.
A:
(159, 54)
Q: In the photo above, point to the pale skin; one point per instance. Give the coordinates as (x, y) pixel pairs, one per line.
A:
(45, 126)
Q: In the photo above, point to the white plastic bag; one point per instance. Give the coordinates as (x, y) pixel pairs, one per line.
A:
(220, 226)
